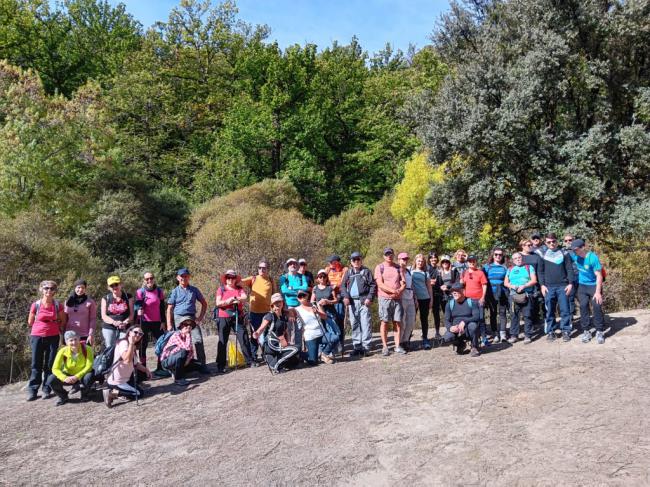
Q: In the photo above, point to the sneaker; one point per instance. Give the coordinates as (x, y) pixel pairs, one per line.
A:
(326, 359)
(586, 336)
(474, 352)
(356, 352)
(485, 342)
(600, 337)
(400, 350)
(426, 344)
(61, 401)
(32, 397)
(513, 339)
(496, 339)
(460, 347)
(181, 382)
(527, 340)
(566, 337)
(109, 397)
(437, 336)
(365, 352)
(385, 352)
(162, 373)
(47, 394)
(550, 337)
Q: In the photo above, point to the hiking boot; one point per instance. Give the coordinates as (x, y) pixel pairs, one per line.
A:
(61, 401)
(460, 347)
(365, 352)
(181, 382)
(474, 352)
(426, 344)
(527, 340)
(356, 352)
(109, 397)
(513, 339)
(550, 337)
(600, 337)
(162, 373)
(400, 350)
(32, 397)
(586, 336)
(566, 337)
(76, 387)
(385, 352)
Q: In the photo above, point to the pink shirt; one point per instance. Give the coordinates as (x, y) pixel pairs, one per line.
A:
(82, 318)
(177, 342)
(392, 278)
(123, 370)
(151, 308)
(46, 322)
(225, 296)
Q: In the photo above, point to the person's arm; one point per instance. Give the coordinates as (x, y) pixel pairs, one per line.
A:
(304, 283)
(344, 287)
(335, 297)
(57, 366)
(105, 318)
(313, 297)
(223, 303)
(598, 295)
(89, 362)
(541, 273)
(285, 289)
(62, 318)
(319, 310)
(258, 333)
(130, 320)
(32, 315)
(204, 308)
(568, 267)
(379, 279)
(372, 288)
(92, 322)
(170, 318)
(533, 279)
(402, 286)
(484, 288)
(247, 281)
(448, 317)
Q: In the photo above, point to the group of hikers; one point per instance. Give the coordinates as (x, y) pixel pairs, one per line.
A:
(301, 318)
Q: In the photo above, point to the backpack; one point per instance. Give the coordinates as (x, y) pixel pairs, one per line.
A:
(162, 341)
(103, 363)
(381, 271)
(139, 303)
(452, 303)
(37, 306)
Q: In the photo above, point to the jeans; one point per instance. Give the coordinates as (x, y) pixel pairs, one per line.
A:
(313, 346)
(111, 335)
(175, 363)
(256, 321)
(225, 325)
(525, 310)
(557, 296)
(339, 309)
(423, 305)
(481, 317)
(586, 297)
(471, 333)
(151, 329)
(361, 322)
(197, 337)
(43, 353)
(572, 299)
(408, 320)
(129, 389)
(58, 387)
(498, 307)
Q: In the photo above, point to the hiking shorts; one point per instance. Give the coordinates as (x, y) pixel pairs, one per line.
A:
(390, 310)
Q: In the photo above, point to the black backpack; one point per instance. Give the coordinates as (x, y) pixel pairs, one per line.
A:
(103, 363)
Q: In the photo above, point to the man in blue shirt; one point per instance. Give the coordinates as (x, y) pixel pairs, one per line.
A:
(181, 305)
(590, 290)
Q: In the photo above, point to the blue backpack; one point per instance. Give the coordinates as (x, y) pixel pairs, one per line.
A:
(452, 303)
(162, 341)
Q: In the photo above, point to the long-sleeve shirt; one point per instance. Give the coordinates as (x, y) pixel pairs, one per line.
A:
(290, 284)
(66, 365)
(82, 318)
(358, 285)
(457, 312)
(555, 268)
(178, 342)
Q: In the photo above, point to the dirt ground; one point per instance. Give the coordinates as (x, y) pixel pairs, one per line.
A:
(538, 414)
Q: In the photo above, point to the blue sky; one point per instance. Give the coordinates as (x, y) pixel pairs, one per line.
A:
(374, 22)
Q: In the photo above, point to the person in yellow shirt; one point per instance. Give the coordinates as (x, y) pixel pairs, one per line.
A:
(73, 366)
(262, 288)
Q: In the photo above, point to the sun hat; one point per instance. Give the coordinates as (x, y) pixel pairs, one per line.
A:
(276, 297)
(230, 273)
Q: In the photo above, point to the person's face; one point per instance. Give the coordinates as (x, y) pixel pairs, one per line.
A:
(149, 280)
(517, 259)
(567, 240)
(433, 260)
(457, 295)
(322, 278)
(551, 243)
(461, 257)
(526, 247)
(404, 261)
(498, 256)
(183, 280)
(472, 264)
(292, 266)
(536, 241)
(72, 342)
(581, 251)
(445, 264)
(356, 262)
(303, 298)
(116, 288)
(277, 306)
(230, 280)
(49, 290)
(388, 257)
(137, 334)
(262, 269)
(80, 290)
(419, 262)
(186, 329)
(302, 266)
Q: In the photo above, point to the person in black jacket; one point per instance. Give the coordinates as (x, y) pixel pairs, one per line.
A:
(358, 288)
(461, 320)
(556, 281)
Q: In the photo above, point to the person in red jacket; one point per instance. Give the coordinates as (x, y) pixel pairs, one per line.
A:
(476, 283)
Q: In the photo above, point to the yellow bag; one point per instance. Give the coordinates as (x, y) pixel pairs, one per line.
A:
(235, 358)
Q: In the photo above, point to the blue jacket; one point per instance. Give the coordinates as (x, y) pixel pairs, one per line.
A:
(290, 284)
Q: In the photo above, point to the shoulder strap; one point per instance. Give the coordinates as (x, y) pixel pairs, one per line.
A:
(528, 270)
(470, 302)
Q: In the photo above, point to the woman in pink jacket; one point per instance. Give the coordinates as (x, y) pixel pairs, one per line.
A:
(81, 313)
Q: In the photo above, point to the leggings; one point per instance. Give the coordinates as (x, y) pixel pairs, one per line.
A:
(437, 308)
(423, 306)
(150, 329)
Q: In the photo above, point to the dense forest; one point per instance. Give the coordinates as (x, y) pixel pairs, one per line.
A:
(198, 141)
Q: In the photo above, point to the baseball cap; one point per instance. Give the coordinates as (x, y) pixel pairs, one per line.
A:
(291, 260)
(536, 235)
(445, 257)
(302, 261)
(276, 297)
(113, 280)
(472, 258)
(355, 255)
(182, 271)
(577, 243)
(333, 258)
(457, 286)
(321, 271)
(403, 255)
(388, 250)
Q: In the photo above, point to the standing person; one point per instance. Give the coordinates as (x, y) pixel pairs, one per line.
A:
(390, 285)
(46, 319)
(568, 240)
(424, 295)
(335, 273)
(476, 285)
(538, 247)
(521, 281)
(116, 310)
(555, 277)
(460, 261)
(532, 259)
(313, 332)
(81, 313)
(448, 277)
(181, 305)
(497, 296)
(435, 280)
(461, 320)
(323, 293)
(302, 269)
(291, 284)
(590, 290)
(229, 300)
(125, 363)
(178, 354)
(407, 299)
(358, 289)
(275, 328)
(261, 288)
(73, 366)
(150, 306)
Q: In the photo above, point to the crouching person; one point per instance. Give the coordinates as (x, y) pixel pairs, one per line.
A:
(73, 366)
(178, 354)
(121, 379)
(461, 320)
(273, 333)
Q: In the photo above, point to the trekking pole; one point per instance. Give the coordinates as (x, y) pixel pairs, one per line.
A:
(12, 348)
(236, 336)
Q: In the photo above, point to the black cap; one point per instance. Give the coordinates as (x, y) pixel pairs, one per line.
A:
(355, 255)
(536, 235)
(333, 258)
(457, 286)
(388, 250)
(577, 243)
(472, 258)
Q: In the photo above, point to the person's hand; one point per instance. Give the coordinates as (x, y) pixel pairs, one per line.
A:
(255, 335)
(149, 374)
(567, 290)
(482, 301)
(598, 297)
(444, 287)
(90, 340)
(544, 291)
(367, 302)
(346, 301)
(131, 339)
(461, 327)
(323, 302)
(454, 329)
(71, 379)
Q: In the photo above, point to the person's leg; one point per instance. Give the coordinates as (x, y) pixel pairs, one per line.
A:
(584, 297)
(175, 363)
(354, 313)
(384, 317)
(256, 322)
(492, 305)
(287, 357)
(366, 326)
(436, 308)
(514, 323)
(54, 384)
(339, 307)
(472, 331)
(407, 322)
(244, 343)
(223, 327)
(550, 302)
(51, 347)
(423, 306)
(398, 316)
(526, 311)
(481, 321)
(313, 347)
(36, 376)
(128, 390)
(110, 336)
(503, 308)
(87, 384)
(197, 340)
(565, 314)
(599, 318)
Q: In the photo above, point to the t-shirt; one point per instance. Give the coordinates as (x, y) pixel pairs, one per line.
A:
(587, 266)
(290, 284)
(225, 294)
(520, 275)
(279, 324)
(474, 281)
(261, 291)
(312, 328)
(82, 318)
(150, 303)
(184, 300)
(46, 322)
(407, 294)
(123, 370)
(117, 310)
(325, 293)
(496, 273)
(420, 281)
(392, 278)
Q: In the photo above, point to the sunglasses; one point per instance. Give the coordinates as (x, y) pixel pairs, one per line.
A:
(137, 333)
(114, 285)
(262, 267)
(527, 245)
(388, 253)
(303, 263)
(47, 288)
(498, 255)
(231, 277)
(551, 241)
(301, 296)
(356, 259)
(149, 278)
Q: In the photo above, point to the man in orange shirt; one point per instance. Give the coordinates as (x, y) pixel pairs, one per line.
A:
(476, 284)
(335, 272)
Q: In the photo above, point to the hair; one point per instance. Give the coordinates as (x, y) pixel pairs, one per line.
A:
(517, 254)
(459, 252)
(551, 235)
(131, 328)
(523, 241)
(424, 261)
(569, 235)
(80, 282)
(443, 261)
(433, 254)
(47, 284)
(491, 258)
(327, 278)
